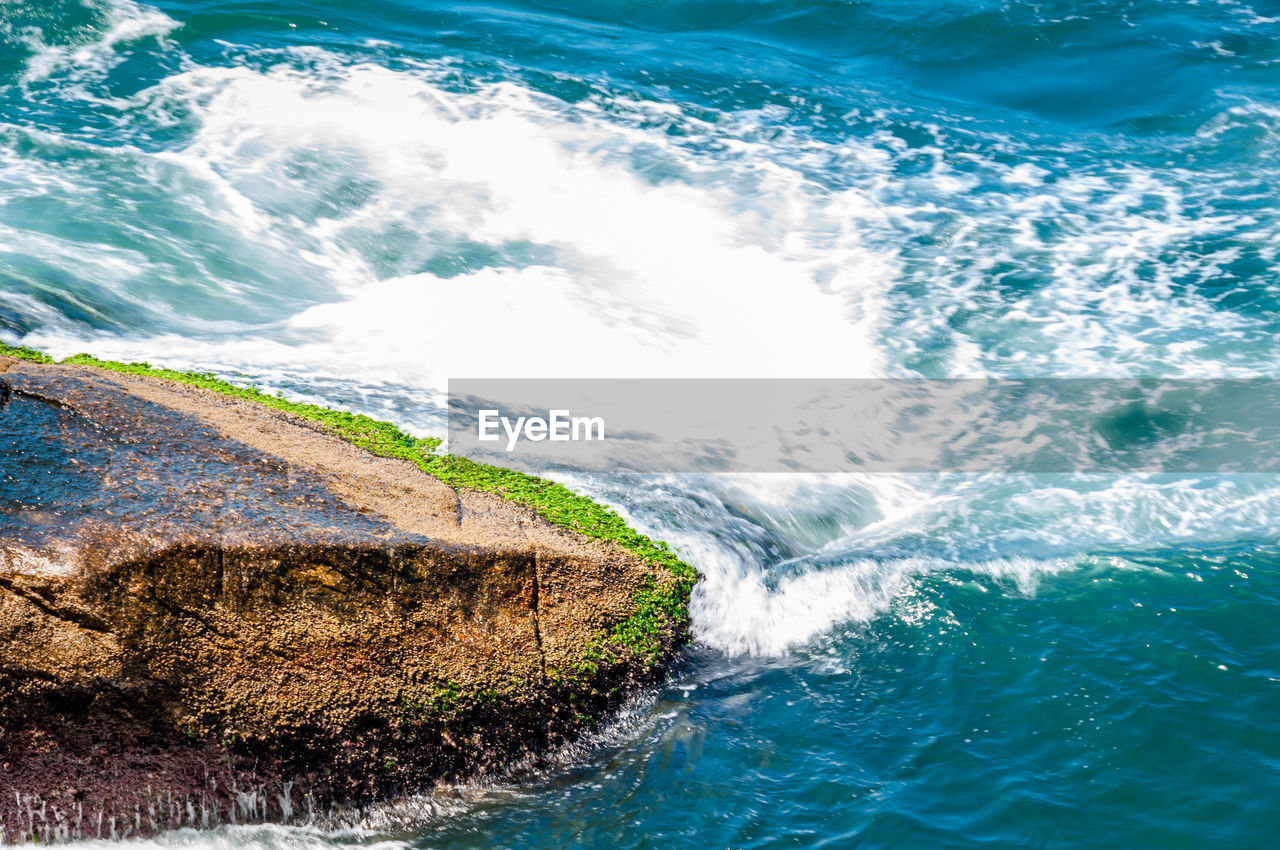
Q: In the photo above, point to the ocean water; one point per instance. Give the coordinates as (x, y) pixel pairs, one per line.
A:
(352, 202)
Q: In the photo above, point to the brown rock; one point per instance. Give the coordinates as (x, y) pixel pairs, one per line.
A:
(212, 612)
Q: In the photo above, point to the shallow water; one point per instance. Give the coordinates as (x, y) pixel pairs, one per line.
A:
(355, 202)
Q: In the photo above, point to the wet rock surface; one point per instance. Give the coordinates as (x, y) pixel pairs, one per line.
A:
(211, 612)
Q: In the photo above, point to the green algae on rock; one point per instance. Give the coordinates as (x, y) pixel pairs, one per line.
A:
(237, 591)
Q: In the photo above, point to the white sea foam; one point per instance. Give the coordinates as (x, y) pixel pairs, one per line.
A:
(786, 558)
(121, 22)
(595, 243)
(628, 276)
(256, 837)
(752, 601)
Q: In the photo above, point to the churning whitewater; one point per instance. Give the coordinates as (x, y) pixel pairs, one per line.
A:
(354, 202)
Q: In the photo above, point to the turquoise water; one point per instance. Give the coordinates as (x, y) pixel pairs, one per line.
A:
(356, 201)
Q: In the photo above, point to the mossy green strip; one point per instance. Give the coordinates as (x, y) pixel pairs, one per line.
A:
(23, 353)
(660, 607)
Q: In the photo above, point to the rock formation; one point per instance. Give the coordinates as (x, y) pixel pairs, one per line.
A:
(213, 611)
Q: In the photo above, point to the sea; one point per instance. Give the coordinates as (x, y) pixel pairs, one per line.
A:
(353, 202)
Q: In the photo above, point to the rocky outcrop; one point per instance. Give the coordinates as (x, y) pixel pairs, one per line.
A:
(212, 611)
